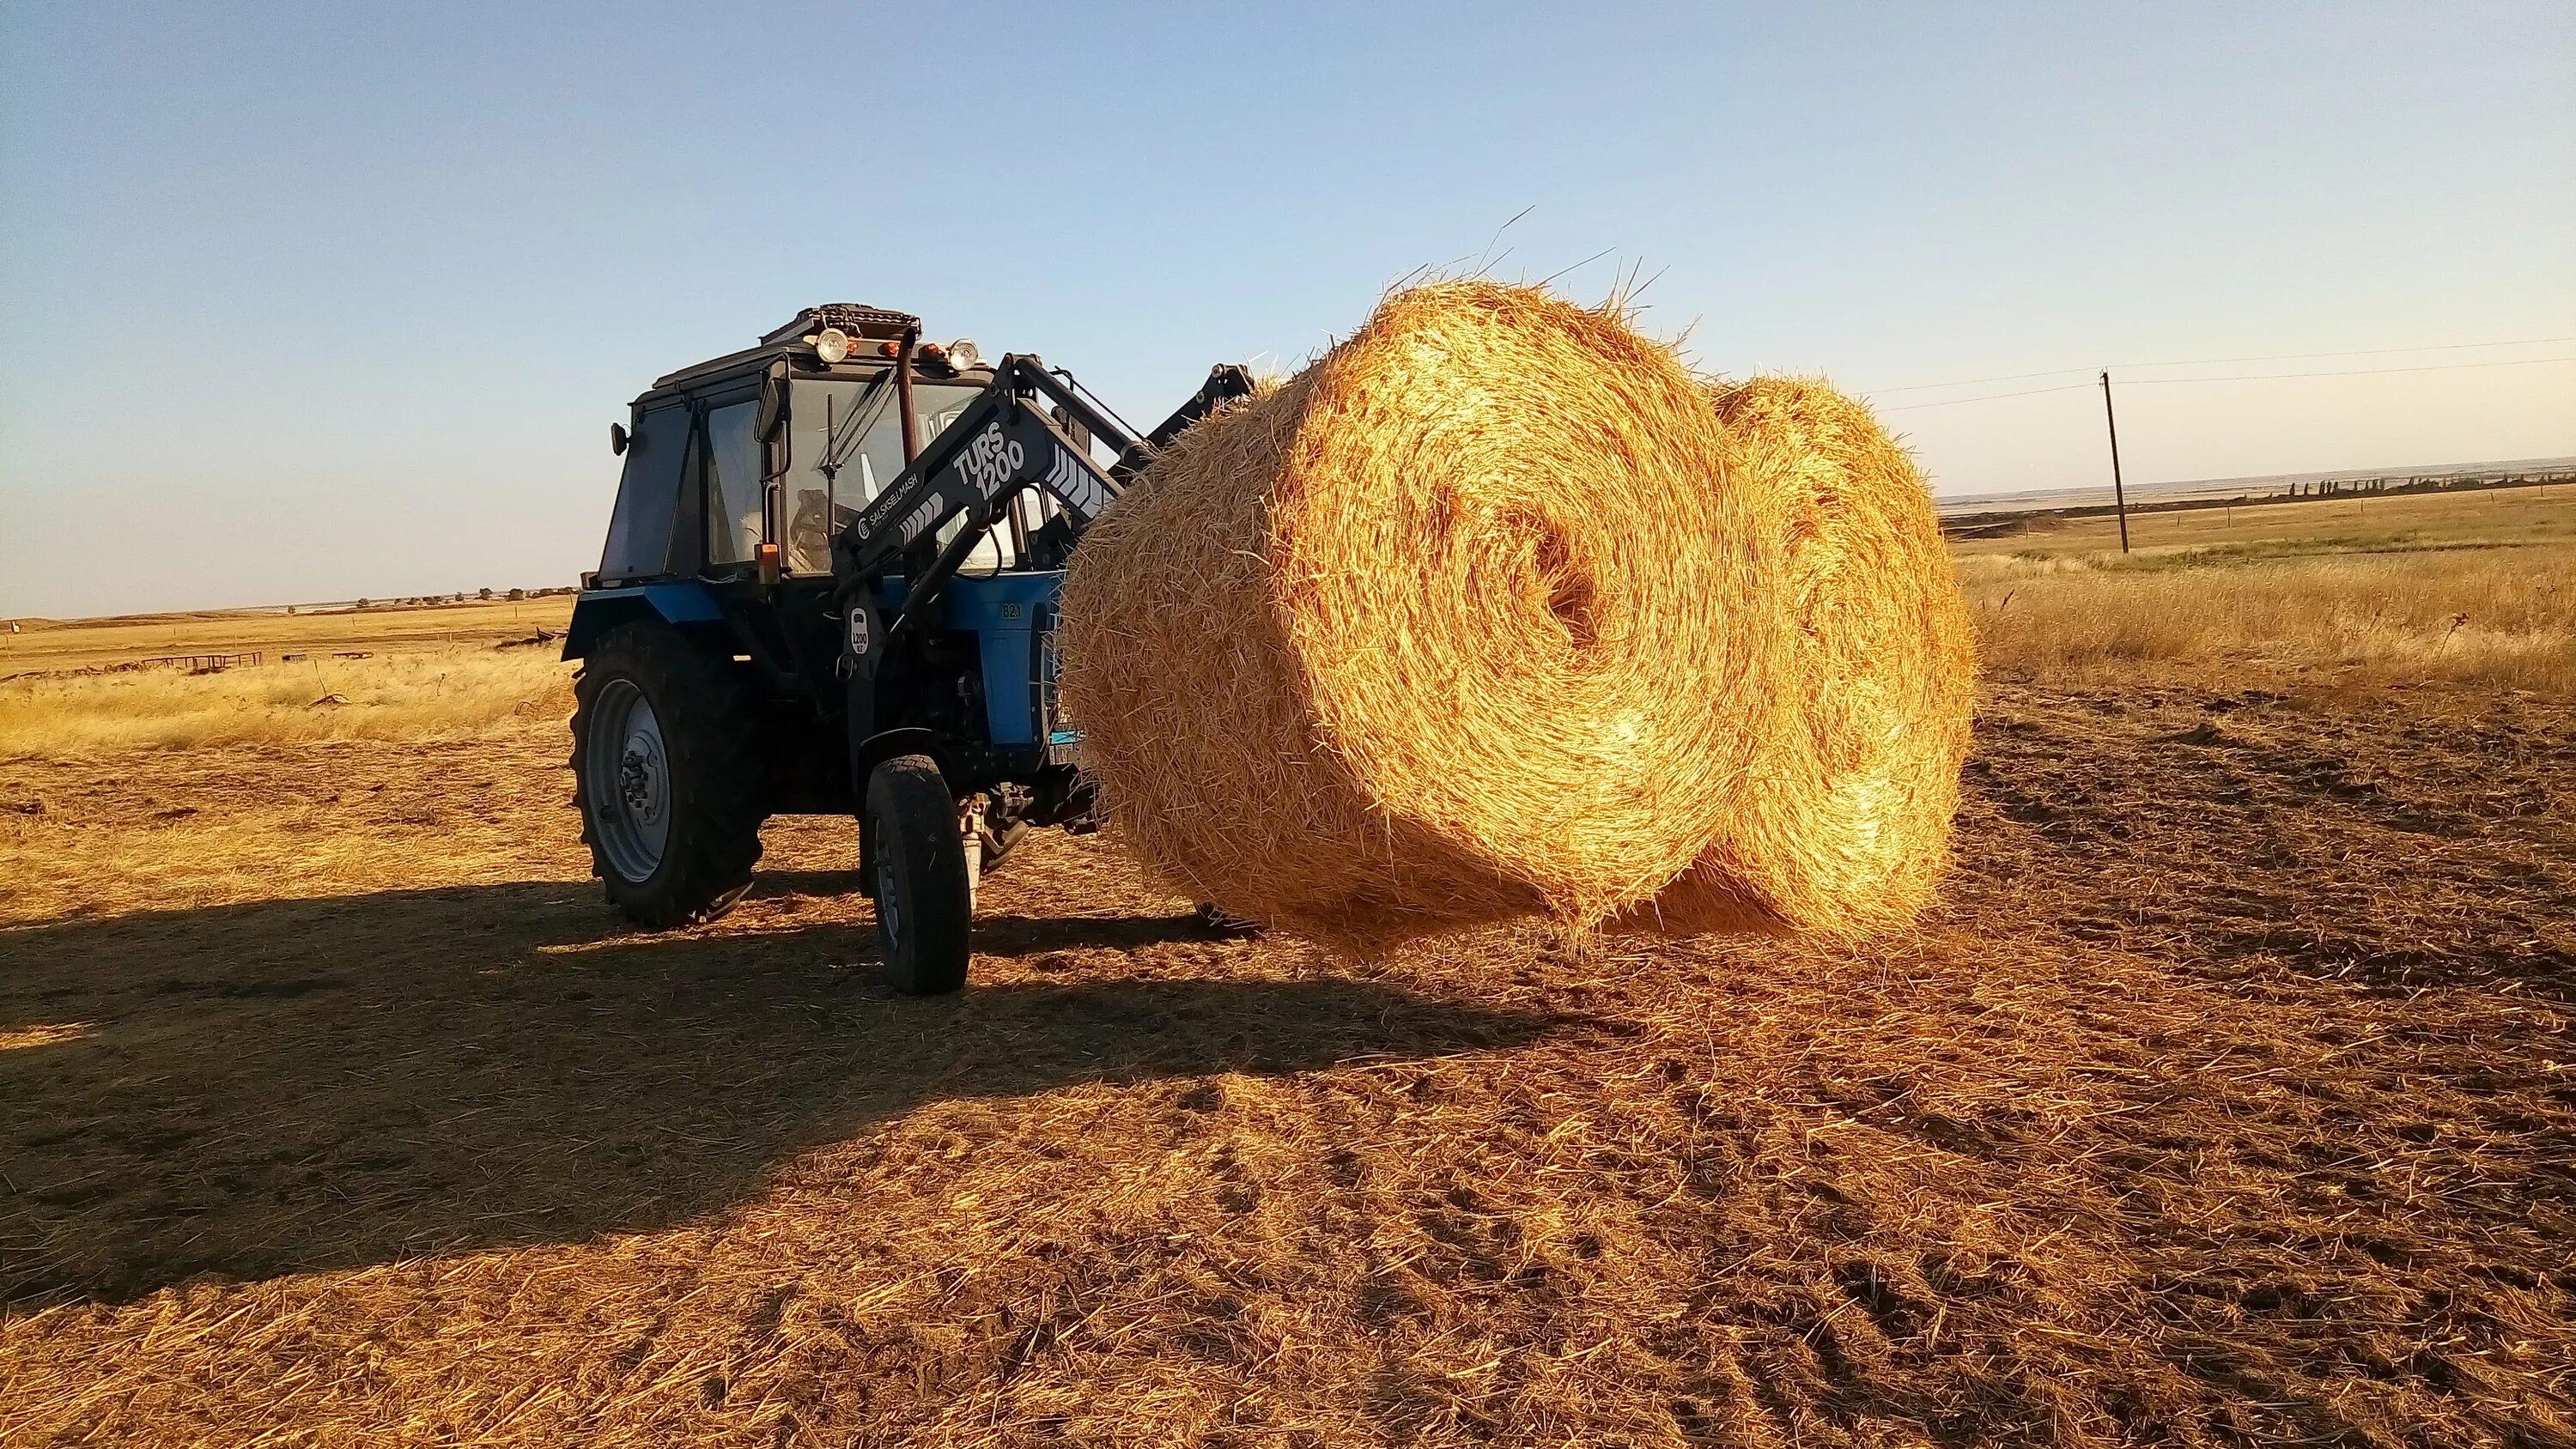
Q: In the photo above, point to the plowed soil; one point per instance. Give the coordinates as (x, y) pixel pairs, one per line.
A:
(2230, 1099)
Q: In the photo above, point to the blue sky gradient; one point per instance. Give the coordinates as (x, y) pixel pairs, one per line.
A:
(308, 302)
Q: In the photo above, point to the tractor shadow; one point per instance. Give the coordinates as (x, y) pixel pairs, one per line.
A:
(253, 1090)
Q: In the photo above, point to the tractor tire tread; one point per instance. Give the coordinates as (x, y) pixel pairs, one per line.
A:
(908, 800)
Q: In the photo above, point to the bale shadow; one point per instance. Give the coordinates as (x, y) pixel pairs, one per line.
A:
(253, 1090)
(1000, 935)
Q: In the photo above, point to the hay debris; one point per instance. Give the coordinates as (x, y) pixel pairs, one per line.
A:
(1490, 611)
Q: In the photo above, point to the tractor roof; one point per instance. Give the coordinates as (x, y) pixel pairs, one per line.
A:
(857, 319)
(862, 323)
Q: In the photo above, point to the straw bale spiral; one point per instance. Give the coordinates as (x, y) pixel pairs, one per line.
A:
(1490, 611)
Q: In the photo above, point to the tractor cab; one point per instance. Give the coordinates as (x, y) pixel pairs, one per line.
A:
(757, 458)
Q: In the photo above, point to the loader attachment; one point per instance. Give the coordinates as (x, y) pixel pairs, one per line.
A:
(1030, 430)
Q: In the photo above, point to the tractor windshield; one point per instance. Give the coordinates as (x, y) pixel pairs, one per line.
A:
(844, 445)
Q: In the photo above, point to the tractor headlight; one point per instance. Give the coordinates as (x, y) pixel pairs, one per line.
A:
(963, 354)
(832, 344)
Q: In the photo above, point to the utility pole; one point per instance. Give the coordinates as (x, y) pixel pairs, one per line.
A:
(2119, 495)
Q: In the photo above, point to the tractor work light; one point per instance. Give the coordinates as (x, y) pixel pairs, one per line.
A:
(832, 344)
(963, 354)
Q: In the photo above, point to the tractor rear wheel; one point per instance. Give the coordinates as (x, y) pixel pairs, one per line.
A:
(916, 869)
(666, 777)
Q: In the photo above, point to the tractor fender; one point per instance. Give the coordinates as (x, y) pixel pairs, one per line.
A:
(875, 750)
(598, 611)
(884, 745)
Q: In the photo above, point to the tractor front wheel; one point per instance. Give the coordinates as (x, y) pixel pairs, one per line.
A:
(916, 868)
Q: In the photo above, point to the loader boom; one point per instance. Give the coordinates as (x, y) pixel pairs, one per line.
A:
(1003, 443)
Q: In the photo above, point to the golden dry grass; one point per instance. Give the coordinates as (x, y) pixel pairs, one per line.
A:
(2502, 616)
(429, 674)
(2540, 514)
(429, 695)
(2223, 1101)
(87, 643)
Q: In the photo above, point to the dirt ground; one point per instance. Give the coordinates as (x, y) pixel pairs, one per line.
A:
(2230, 1100)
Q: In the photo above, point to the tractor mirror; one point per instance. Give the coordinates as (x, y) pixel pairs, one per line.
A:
(617, 439)
(773, 406)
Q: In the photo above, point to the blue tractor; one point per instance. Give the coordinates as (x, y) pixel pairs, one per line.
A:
(829, 588)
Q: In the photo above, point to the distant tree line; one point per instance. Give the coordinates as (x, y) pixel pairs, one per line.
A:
(419, 601)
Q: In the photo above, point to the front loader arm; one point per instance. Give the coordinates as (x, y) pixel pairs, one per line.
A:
(1028, 430)
(1226, 382)
(1003, 442)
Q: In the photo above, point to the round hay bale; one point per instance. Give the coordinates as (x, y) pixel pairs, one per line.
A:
(1470, 619)
(1843, 826)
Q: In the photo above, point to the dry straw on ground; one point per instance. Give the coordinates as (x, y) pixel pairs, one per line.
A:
(2221, 1103)
(442, 694)
(1490, 611)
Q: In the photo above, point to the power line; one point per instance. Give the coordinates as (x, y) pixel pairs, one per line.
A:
(1973, 381)
(1987, 397)
(2363, 352)
(2348, 372)
(2213, 362)
(2232, 377)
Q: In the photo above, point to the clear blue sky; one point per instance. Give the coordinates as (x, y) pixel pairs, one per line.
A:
(307, 302)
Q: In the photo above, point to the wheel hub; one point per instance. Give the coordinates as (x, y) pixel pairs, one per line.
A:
(628, 782)
(639, 781)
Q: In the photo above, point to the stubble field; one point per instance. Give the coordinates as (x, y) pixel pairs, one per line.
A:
(2229, 1098)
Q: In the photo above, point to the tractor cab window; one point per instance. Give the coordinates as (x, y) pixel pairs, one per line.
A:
(844, 445)
(639, 532)
(733, 484)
